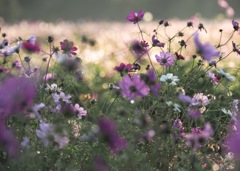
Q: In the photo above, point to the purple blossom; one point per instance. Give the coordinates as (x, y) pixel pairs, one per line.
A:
(10, 50)
(207, 51)
(68, 47)
(135, 17)
(235, 25)
(7, 139)
(179, 129)
(61, 97)
(2, 69)
(133, 87)
(233, 139)
(165, 59)
(17, 94)
(151, 80)
(185, 98)
(156, 42)
(123, 68)
(31, 45)
(79, 110)
(198, 137)
(214, 78)
(100, 164)
(235, 49)
(48, 136)
(108, 129)
(194, 113)
(17, 64)
(138, 48)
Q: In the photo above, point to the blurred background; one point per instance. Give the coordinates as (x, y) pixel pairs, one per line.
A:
(109, 10)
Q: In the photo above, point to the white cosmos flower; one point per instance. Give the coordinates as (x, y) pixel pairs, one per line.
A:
(227, 75)
(170, 79)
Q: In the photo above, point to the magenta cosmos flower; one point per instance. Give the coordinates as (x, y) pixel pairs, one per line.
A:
(108, 129)
(31, 45)
(207, 51)
(133, 87)
(68, 47)
(135, 17)
(165, 59)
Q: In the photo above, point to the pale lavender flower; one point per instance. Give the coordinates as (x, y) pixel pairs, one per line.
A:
(79, 110)
(48, 136)
(133, 87)
(200, 100)
(58, 98)
(10, 50)
(185, 98)
(179, 129)
(25, 142)
(165, 59)
(207, 51)
(48, 76)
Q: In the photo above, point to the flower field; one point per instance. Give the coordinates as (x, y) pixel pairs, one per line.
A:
(101, 96)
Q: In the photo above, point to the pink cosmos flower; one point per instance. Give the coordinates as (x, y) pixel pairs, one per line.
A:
(165, 59)
(133, 87)
(198, 137)
(31, 45)
(214, 78)
(68, 47)
(135, 17)
(80, 111)
(48, 76)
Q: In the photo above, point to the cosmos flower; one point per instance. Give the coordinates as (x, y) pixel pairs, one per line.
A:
(151, 80)
(198, 137)
(68, 47)
(79, 110)
(235, 25)
(214, 78)
(165, 59)
(133, 87)
(179, 129)
(31, 45)
(10, 50)
(108, 130)
(135, 17)
(123, 68)
(61, 97)
(17, 95)
(200, 99)
(169, 79)
(235, 49)
(156, 42)
(49, 136)
(138, 48)
(226, 75)
(207, 51)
